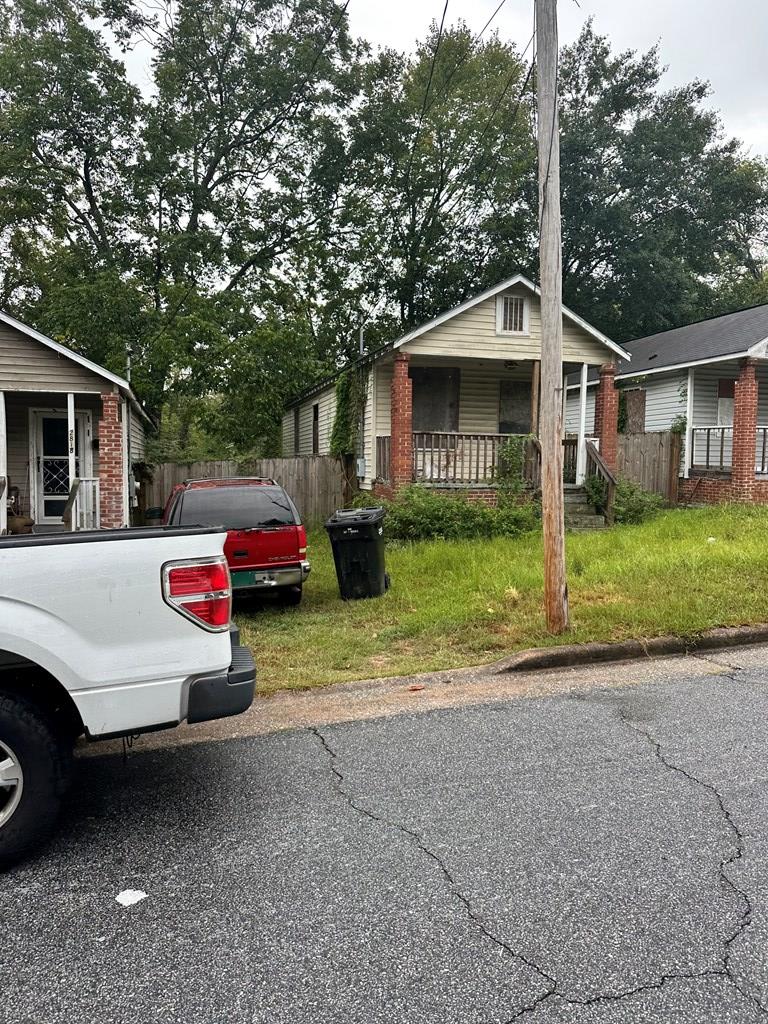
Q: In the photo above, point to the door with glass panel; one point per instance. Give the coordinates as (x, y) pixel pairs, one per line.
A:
(52, 462)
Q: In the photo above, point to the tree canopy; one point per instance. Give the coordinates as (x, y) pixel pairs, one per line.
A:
(277, 185)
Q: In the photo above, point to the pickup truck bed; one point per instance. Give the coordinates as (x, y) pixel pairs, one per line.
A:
(106, 633)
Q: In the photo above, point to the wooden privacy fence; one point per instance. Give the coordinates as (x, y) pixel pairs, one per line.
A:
(652, 460)
(316, 483)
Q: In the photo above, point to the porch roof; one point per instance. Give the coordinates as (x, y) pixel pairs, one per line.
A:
(122, 385)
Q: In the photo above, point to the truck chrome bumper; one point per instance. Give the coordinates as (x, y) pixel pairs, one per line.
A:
(268, 579)
(228, 693)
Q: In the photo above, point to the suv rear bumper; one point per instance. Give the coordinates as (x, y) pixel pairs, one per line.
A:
(269, 579)
(228, 693)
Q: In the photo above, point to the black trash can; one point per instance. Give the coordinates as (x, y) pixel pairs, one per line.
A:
(357, 541)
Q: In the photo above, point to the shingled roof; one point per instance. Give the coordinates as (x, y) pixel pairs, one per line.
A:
(720, 337)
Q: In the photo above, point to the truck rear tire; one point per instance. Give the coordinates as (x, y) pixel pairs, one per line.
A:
(34, 772)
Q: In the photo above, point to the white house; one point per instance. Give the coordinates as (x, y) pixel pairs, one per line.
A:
(710, 380)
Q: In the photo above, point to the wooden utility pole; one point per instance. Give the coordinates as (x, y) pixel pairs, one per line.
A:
(551, 278)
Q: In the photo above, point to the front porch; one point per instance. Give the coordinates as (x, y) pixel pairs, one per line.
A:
(726, 450)
(423, 413)
(61, 461)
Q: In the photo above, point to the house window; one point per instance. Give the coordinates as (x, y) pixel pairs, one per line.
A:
(725, 403)
(315, 429)
(634, 411)
(296, 431)
(511, 314)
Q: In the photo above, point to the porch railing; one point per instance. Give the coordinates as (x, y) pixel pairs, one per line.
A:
(383, 458)
(711, 448)
(443, 457)
(82, 509)
(452, 458)
(598, 467)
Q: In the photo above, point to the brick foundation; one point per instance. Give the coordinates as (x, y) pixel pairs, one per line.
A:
(607, 415)
(111, 463)
(714, 490)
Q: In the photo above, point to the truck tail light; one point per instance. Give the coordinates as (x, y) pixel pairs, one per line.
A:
(201, 591)
(301, 534)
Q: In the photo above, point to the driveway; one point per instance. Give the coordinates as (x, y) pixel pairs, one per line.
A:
(591, 846)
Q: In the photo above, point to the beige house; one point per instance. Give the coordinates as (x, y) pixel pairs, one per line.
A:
(69, 433)
(452, 390)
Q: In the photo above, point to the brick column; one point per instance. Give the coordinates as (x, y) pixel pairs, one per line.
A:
(744, 433)
(607, 415)
(110, 463)
(401, 429)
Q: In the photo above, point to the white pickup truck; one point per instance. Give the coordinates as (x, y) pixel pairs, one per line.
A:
(104, 634)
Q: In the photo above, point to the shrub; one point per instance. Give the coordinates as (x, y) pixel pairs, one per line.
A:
(631, 503)
(419, 513)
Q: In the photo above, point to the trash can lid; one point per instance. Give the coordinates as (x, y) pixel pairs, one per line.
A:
(350, 516)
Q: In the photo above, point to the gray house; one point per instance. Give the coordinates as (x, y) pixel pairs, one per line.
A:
(709, 380)
(70, 431)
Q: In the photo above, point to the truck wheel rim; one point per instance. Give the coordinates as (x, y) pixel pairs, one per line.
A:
(11, 782)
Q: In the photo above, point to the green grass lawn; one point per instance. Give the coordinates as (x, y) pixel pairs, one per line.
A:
(458, 603)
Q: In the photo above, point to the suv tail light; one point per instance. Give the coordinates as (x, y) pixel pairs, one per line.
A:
(301, 534)
(200, 590)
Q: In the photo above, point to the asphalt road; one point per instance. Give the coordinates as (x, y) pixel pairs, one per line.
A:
(597, 853)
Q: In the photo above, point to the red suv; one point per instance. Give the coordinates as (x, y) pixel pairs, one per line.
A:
(266, 545)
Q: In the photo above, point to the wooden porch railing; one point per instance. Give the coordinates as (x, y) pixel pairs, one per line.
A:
(570, 455)
(383, 458)
(81, 511)
(598, 467)
(451, 458)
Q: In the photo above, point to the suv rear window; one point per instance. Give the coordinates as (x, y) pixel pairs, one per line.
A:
(235, 508)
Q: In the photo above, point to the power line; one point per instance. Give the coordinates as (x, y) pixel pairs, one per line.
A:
(464, 57)
(426, 94)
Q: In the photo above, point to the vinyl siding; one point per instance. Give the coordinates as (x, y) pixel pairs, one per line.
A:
(28, 365)
(473, 334)
(664, 400)
(572, 411)
(137, 436)
(326, 400)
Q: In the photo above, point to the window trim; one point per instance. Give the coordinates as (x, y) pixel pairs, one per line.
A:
(296, 430)
(500, 316)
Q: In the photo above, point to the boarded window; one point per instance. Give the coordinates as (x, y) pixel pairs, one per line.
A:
(296, 427)
(725, 394)
(514, 407)
(635, 410)
(315, 429)
(511, 315)
(435, 398)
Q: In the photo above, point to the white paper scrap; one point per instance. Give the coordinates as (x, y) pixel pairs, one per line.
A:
(128, 897)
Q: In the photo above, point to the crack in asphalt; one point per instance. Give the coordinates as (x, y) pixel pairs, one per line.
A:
(553, 994)
(732, 672)
(737, 853)
(419, 842)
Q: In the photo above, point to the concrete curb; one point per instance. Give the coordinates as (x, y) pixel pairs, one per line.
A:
(627, 650)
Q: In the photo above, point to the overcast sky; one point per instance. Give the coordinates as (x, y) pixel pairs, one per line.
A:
(724, 43)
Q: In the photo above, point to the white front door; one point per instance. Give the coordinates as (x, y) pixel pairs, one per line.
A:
(50, 461)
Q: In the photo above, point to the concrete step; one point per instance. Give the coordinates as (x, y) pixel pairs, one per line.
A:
(585, 522)
(581, 508)
(574, 495)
